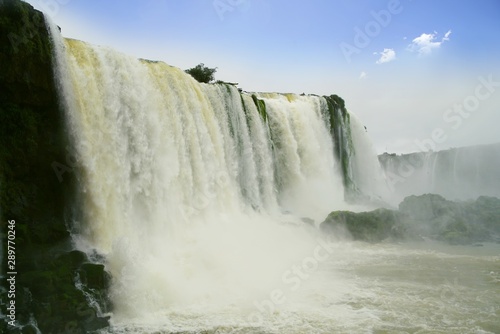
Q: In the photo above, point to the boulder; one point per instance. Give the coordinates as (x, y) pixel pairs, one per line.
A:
(373, 226)
(422, 217)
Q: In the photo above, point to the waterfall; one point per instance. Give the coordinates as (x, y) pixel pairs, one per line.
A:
(457, 174)
(194, 193)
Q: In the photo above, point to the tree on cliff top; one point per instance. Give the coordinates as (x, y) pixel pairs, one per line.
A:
(202, 73)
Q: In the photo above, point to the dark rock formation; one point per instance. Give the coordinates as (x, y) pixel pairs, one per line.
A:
(420, 217)
(374, 226)
(454, 222)
(32, 138)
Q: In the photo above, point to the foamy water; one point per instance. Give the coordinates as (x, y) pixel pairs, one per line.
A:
(195, 203)
(361, 288)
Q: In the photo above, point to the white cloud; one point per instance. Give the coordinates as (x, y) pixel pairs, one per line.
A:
(447, 36)
(425, 43)
(386, 56)
(362, 75)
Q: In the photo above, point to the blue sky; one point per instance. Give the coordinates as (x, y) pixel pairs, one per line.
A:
(402, 66)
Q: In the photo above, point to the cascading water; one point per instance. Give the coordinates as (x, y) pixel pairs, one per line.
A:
(194, 195)
(194, 192)
(457, 174)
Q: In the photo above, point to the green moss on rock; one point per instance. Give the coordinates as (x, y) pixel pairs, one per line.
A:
(343, 147)
(373, 226)
(421, 217)
(94, 276)
(261, 107)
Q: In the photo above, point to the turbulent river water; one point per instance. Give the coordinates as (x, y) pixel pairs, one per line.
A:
(361, 288)
(195, 198)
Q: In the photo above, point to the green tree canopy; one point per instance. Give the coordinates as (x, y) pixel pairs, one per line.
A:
(202, 73)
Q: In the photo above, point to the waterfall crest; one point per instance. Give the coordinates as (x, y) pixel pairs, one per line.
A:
(195, 192)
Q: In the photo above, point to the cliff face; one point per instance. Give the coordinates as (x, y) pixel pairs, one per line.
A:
(458, 174)
(32, 139)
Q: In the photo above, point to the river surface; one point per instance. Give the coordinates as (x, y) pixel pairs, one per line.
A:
(419, 288)
(193, 193)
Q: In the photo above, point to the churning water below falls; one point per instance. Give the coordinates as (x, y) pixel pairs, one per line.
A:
(194, 196)
(357, 288)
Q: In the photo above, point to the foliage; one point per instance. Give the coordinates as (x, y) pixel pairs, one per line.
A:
(343, 147)
(202, 73)
(222, 82)
(373, 226)
(261, 107)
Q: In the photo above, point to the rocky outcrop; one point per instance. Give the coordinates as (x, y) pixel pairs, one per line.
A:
(32, 138)
(454, 222)
(373, 226)
(420, 217)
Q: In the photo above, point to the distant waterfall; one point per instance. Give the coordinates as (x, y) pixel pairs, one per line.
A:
(457, 174)
(186, 186)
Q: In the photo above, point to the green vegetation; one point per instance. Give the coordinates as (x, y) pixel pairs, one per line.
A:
(261, 107)
(454, 222)
(339, 102)
(221, 82)
(343, 147)
(202, 73)
(426, 216)
(374, 226)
